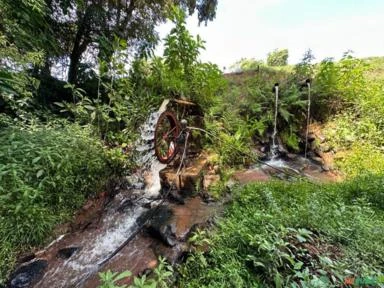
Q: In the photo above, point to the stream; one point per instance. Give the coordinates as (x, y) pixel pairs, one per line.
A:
(115, 238)
(73, 258)
(132, 229)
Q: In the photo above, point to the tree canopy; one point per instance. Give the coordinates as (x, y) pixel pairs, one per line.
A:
(74, 32)
(278, 57)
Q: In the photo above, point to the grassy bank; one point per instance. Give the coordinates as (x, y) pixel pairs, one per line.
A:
(294, 235)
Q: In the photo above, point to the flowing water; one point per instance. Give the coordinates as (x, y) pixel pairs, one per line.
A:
(308, 118)
(150, 166)
(274, 147)
(118, 222)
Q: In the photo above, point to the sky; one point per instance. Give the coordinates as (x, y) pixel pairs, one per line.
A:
(253, 28)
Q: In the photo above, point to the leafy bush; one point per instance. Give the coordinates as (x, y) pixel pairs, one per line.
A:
(180, 73)
(45, 173)
(293, 235)
(247, 65)
(17, 87)
(250, 103)
(340, 85)
(278, 57)
(233, 149)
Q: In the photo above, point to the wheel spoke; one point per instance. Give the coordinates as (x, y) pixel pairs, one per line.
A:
(166, 133)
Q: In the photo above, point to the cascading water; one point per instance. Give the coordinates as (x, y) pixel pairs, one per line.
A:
(150, 166)
(118, 222)
(308, 82)
(274, 147)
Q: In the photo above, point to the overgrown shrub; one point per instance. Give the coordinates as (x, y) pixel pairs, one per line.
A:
(45, 174)
(179, 73)
(247, 106)
(278, 57)
(294, 235)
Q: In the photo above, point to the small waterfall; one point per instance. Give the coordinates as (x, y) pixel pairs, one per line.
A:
(308, 81)
(274, 147)
(150, 166)
(115, 226)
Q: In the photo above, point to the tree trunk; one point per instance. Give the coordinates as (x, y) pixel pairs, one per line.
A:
(74, 65)
(81, 43)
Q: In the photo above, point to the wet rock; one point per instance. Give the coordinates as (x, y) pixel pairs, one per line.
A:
(126, 205)
(317, 160)
(160, 228)
(310, 154)
(311, 137)
(89, 215)
(325, 168)
(206, 198)
(291, 156)
(168, 234)
(28, 274)
(263, 156)
(281, 147)
(26, 258)
(176, 197)
(313, 146)
(67, 253)
(282, 150)
(264, 149)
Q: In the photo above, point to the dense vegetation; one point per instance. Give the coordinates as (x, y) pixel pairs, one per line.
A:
(77, 78)
(294, 235)
(300, 234)
(45, 173)
(62, 141)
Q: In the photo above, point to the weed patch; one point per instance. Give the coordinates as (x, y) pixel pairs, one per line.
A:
(45, 174)
(293, 234)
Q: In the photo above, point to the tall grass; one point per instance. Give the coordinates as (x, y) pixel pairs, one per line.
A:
(45, 173)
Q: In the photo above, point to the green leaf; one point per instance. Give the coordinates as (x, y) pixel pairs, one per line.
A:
(39, 173)
(298, 265)
(122, 275)
(278, 280)
(300, 238)
(60, 104)
(35, 160)
(89, 107)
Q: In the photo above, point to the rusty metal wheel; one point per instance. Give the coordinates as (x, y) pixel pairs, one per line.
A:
(166, 133)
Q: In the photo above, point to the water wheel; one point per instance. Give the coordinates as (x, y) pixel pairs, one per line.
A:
(166, 133)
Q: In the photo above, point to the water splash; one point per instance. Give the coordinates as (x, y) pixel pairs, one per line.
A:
(308, 81)
(274, 147)
(149, 165)
(95, 247)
